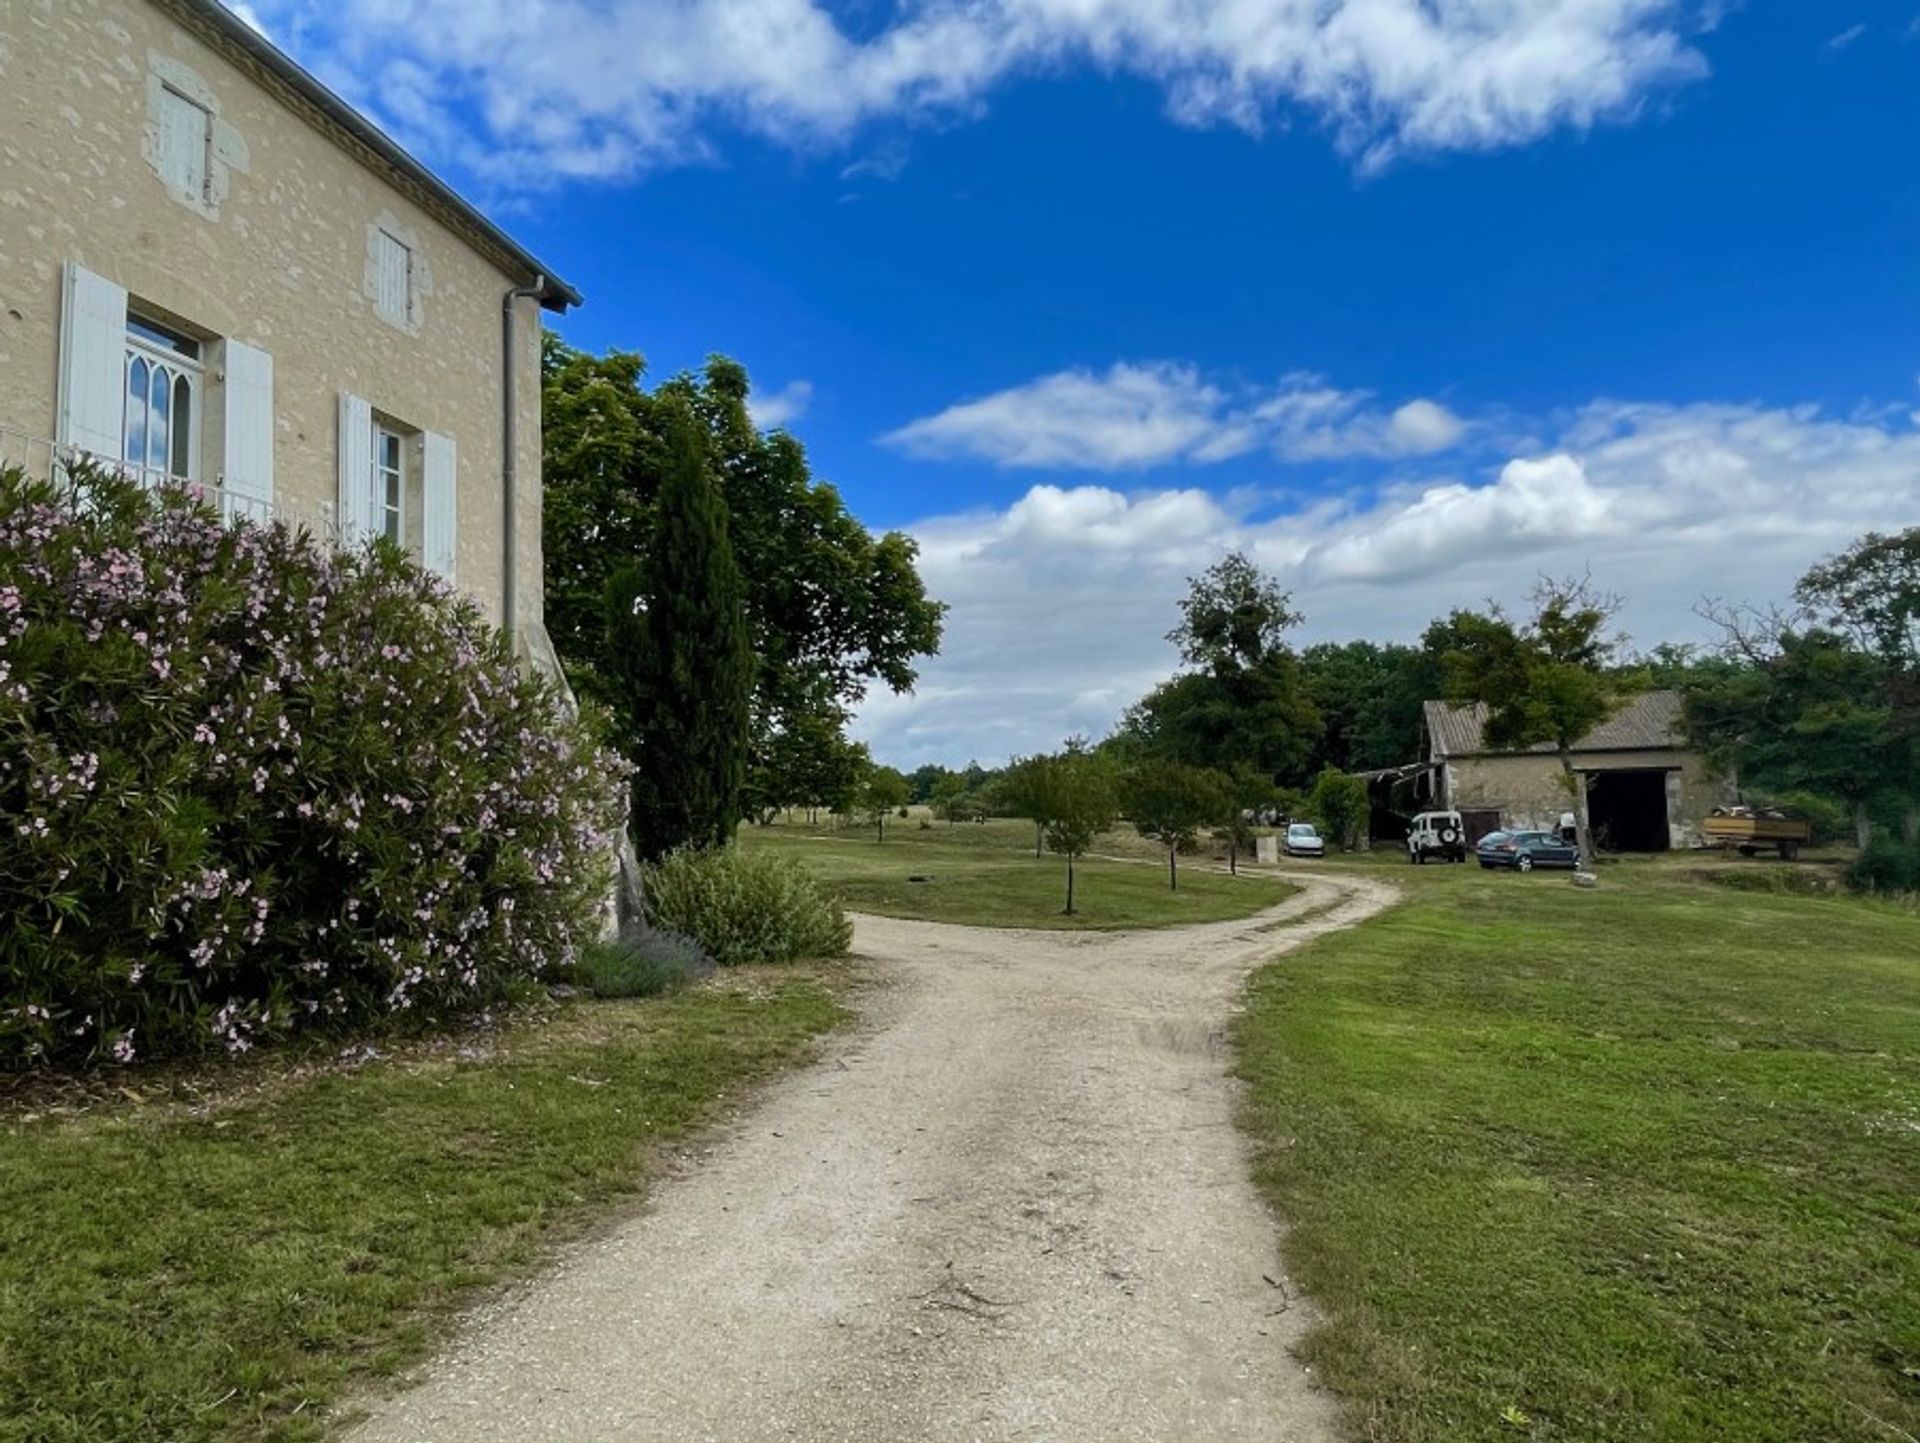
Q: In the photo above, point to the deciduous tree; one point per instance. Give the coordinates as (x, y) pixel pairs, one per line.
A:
(831, 608)
(1551, 678)
(1243, 705)
(1080, 804)
(1170, 803)
(883, 792)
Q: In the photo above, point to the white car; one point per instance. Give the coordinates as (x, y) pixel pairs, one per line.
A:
(1304, 841)
(1437, 834)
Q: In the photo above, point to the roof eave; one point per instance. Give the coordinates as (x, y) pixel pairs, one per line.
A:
(554, 293)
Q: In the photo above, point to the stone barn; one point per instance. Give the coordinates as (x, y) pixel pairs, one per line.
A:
(1647, 789)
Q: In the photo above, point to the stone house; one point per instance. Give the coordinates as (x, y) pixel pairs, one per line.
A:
(213, 269)
(1647, 789)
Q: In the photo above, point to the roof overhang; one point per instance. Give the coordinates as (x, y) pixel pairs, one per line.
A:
(220, 27)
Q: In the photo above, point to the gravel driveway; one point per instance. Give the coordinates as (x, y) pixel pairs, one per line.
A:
(1012, 1205)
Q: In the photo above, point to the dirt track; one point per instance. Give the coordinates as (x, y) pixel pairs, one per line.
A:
(1013, 1205)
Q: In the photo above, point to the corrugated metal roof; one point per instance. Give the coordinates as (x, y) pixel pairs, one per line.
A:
(1651, 720)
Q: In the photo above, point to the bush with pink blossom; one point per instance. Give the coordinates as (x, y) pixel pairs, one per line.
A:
(252, 787)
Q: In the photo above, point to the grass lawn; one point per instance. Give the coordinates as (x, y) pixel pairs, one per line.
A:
(986, 875)
(1635, 1164)
(220, 1267)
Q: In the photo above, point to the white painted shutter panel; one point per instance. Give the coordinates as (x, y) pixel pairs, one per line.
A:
(183, 144)
(393, 277)
(356, 469)
(248, 481)
(439, 486)
(93, 350)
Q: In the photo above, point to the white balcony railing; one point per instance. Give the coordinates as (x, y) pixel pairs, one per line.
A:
(46, 459)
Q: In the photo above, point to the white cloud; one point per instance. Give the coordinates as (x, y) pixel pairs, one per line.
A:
(1153, 413)
(781, 407)
(1846, 37)
(252, 17)
(613, 87)
(1061, 599)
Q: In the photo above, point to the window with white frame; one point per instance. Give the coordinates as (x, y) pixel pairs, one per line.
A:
(398, 482)
(160, 426)
(134, 392)
(393, 277)
(185, 137)
(389, 477)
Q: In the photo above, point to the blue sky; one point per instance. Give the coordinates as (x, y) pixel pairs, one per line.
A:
(1413, 301)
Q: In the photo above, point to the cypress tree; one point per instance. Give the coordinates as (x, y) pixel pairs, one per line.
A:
(677, 638)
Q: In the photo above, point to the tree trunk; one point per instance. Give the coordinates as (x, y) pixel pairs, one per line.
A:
(1910, 826)
(1577, 791)
(1173, 870)
(1862, 825)
(1233, 860)
(1038, 831)
(880, 826)
(1069, 884)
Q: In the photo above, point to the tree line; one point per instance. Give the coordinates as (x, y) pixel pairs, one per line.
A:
(1812, 706)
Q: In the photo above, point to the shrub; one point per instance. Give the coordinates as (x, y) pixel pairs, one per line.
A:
(1828, 821)
(253, 787)
(1339, 802)
(1780, 881)
(1886, 864)
(642, 962)
(747, 907)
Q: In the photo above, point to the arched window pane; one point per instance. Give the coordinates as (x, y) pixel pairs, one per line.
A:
(136, 447)
(182, 426)
(158, 430)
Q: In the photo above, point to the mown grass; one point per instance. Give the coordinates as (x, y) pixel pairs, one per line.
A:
(222, 1270)
(1634, 1164)
(985, 875)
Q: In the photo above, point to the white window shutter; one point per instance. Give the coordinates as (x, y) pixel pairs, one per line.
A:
(248, 479)
(393, 277)
(183, 129)
(356, 469)
(93, 377)
(439, 488)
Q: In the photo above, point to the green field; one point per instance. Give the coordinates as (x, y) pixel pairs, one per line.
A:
(986, 875)
(219, 1254)
(1635, 1164)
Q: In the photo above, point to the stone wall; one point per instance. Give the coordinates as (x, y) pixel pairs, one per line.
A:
(274, 252)
(1528, 793)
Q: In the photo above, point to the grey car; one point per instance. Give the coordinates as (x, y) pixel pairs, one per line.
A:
(1523, 851)
(1303, 841)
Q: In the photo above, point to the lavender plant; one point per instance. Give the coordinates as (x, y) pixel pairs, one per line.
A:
(252, 787)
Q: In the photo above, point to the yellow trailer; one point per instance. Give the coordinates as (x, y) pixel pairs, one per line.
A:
(1749, 832)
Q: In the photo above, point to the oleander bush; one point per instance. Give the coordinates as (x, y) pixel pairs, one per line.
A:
(747, 906)
(251, 787)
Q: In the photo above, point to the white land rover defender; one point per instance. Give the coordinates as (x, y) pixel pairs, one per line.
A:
(1437, 834)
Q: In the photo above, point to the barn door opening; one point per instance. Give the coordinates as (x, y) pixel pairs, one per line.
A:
(1629, 810)
(1479, 823)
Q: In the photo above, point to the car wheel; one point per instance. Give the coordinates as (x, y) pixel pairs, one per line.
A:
(1524, 863)
(1447, 835)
